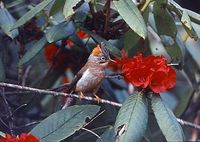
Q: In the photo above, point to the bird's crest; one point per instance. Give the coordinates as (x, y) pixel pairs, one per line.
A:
(100, 49)
(97, 50)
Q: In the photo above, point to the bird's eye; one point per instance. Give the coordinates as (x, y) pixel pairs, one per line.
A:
(103, 58)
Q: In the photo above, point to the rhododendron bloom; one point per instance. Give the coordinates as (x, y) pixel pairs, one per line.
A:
(22, 138)
(149, 72)
(54, 57)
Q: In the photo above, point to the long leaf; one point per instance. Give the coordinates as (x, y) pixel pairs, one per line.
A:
(166, 120)
(60, 31)
(187, 24)
(6, 21)
(194, 16)
(33, 51)
(132, 119)
(185, 19)
(30, 14)
(113, 50)
(68, 7)
(56, 7)
(132, 16)
(64, 123)
(164, 21)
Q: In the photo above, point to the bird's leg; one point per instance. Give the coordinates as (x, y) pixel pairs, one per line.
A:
(81, 95)
(97, 97)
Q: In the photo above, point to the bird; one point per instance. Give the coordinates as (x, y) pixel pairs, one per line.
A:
(89, 77)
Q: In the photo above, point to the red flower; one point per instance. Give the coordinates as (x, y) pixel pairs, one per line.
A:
(81, 35)
(148, 72)
(24, 137)
(55, 57)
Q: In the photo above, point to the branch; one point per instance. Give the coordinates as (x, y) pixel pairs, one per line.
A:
(40, 91)
(189, 124)
(114, 76)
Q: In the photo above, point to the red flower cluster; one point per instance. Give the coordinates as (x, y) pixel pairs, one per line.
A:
(22, 138)
(55, 57)
(150, 71)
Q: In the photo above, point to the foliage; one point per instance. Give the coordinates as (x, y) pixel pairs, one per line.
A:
(46, 42)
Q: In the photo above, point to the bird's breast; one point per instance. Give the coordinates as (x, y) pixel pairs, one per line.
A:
(90, 80)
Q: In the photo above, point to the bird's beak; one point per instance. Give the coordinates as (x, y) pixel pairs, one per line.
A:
(112, 60)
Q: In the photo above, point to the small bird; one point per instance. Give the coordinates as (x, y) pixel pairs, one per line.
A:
(90, 76)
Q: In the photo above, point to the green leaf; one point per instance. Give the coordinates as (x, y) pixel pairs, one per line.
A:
(196, 28)
(184, 92)
(164, 21)
(132, 16)
(108, 135)
(30, 14)
(132, 119)
(6, 21)
(60, 31)
(113, 50)
(68, 7)
(130, 40)
(166, 120)
(195, 17)
(56, 7)
(2, 134)
(64, 123)
(185, 19)
(33, 51)
(172, 48)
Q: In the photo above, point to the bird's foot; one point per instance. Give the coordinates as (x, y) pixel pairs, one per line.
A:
(98, 98)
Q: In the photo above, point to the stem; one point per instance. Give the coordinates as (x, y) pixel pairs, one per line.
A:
(146, 4)
(106, 26)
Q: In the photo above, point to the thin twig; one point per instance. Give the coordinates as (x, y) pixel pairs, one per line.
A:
(8, 109)
(40, 91)
(25, 76)
(18, 108)
(93, 133)
(94, 118)
(189, 124)
(4, 123)
(27, 125)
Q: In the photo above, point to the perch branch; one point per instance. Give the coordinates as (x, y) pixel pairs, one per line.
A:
(40, 91)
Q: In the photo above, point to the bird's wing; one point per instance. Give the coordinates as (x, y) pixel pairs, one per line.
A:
(71, 86)
(75, 80)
